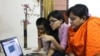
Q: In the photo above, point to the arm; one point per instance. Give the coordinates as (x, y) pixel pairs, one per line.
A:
(64, 36)
(93, 37)
(50, 52)
(39, 44)
(98, 54)
(71, 54)
(56, 44)
(51, 38)
(68, 50)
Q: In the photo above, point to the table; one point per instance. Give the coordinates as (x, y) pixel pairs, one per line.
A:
(28, 52)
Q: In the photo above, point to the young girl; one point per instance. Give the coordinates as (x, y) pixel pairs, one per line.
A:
(43, 28)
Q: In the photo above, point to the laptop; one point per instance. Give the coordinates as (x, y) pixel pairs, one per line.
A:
(11, 47)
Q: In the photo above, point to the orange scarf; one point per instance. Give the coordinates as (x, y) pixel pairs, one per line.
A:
(86, 40)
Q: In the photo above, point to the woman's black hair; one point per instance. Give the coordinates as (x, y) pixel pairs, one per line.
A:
(56, 14)
(79, 10)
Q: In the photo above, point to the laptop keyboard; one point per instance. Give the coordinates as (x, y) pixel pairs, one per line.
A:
(34, 54)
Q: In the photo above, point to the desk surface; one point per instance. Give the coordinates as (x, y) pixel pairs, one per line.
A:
(25, 51)
(2, 54)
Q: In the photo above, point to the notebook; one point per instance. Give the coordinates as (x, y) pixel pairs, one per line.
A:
(11, 47)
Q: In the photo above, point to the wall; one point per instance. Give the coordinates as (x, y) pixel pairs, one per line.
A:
(11, 17)
(60, 4)
(93, 5)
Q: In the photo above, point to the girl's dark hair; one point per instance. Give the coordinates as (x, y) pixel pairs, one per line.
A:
(43, 21)
(56, 14)
(40, 21)
(79, 10)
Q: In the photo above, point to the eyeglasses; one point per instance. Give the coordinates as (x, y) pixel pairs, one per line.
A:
(52, 21)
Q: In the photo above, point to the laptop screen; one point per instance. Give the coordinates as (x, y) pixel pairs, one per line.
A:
(11, 47)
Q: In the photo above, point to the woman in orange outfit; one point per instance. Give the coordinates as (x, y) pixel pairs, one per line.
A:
(84, 33)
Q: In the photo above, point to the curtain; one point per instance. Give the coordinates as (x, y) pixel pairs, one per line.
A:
(48, 6)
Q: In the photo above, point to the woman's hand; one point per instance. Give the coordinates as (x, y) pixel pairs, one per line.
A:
(37, 50)
(98, 54)
(46, 37)
(52, 40)
(71, 54)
